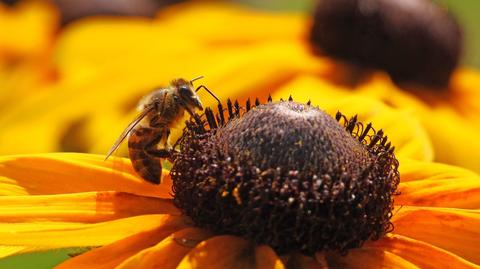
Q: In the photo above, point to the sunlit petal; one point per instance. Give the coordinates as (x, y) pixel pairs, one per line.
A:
(420, 253)
(368, 258)
(115, 253)
(68, 234)
(454, 230)
(411, 170)
(220, 252)
(455, 138)
(440, 185)
(6, 251)
(461, 193)
(169, 252)
(57, 173)
(81, 207)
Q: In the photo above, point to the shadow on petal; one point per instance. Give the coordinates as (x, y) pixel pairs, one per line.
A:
(229, 252)
(169, 252)
(420, 253)
(299, 261)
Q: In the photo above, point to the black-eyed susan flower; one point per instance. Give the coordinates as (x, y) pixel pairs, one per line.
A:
(331, 199)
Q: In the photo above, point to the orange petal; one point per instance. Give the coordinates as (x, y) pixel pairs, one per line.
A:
(266, 258)
(456, 192)
(228, 252)
(420, 253)
(71, 234)
(454, 230)
(368, 258)
(299, 261)
(55, 173)
(81, 207)
(115, 253)
(169, 252)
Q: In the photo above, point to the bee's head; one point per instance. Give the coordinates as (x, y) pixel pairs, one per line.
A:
(187, 93)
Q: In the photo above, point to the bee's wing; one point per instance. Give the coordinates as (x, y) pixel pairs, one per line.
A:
(128, 130)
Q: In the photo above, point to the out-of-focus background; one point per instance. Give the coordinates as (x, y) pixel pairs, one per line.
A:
(71, 73)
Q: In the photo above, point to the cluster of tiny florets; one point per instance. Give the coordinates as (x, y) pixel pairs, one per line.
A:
(316, 185)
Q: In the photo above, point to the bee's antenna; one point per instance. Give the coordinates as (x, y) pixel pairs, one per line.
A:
(197, 78)
(211, 93)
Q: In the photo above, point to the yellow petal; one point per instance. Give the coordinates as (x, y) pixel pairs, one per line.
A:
(403, 130)
(411, 170)
(368, 258)
(57, 173)
(115, 253)
(27, 28)
(455, 138)
(6, 251)
(464, 93)
(450, 120)
(228, 252)
(71, 234)
(420, 253)
(169, 252)
(454, 230)
(81, 207)
(246, 25)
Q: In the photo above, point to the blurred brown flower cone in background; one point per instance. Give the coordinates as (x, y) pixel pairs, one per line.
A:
(419, 45)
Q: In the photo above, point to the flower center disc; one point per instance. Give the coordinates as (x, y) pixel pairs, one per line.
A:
(293, 136)
(287, 175)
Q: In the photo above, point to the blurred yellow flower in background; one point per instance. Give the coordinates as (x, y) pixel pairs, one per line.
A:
(83, 90)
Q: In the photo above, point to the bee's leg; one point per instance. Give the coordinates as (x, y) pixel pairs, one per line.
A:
(166, 152)
(163, 153)
(166, 141)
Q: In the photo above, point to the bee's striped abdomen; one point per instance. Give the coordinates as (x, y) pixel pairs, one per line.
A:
(149, 167)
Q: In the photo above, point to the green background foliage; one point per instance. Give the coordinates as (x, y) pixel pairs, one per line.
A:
(467, 11)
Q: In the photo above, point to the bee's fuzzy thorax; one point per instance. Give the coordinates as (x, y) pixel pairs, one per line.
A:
(286, 174)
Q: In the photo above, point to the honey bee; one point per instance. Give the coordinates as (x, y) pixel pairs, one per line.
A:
(148, 134)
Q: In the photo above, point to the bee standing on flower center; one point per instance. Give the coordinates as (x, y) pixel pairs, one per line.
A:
(148, 135)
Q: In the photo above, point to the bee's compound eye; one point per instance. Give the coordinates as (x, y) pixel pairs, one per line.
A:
(185, 91)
